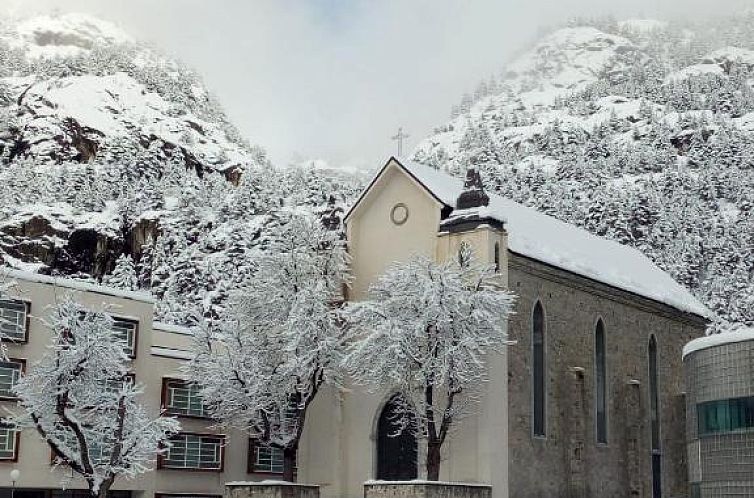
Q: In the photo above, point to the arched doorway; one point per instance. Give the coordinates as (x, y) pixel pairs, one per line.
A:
(396, 449)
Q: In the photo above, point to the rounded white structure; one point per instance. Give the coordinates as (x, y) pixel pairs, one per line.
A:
(719, 371)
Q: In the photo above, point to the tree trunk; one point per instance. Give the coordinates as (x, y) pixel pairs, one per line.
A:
(103, 491)
(433, 461)
(289, 464)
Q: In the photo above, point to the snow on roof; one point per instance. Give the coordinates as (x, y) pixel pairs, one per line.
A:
(546, 239)
(10, 274)
(728, 337)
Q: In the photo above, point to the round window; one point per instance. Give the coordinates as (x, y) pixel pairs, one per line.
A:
(399, 214)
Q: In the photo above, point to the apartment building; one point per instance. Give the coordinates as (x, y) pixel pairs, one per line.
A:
(202, 457)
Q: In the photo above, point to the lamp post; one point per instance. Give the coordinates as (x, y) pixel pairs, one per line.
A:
(14, 475)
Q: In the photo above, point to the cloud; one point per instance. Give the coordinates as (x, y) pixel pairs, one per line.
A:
(334, 79)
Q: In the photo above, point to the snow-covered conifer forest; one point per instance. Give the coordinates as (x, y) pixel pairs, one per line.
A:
(118, 165)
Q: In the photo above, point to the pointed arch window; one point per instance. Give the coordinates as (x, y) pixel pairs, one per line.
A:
(654, 414)
(539, 371)
(600, 383)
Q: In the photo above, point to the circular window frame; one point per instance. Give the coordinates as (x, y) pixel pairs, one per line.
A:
(394, 212)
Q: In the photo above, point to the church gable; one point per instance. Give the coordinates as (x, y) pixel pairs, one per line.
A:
(395, 217)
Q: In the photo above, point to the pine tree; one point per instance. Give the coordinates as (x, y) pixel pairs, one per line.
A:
(123, 275)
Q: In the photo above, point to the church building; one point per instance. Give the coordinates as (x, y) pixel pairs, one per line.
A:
(588, 401)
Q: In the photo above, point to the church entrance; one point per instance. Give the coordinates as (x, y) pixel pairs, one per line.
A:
(396, 451)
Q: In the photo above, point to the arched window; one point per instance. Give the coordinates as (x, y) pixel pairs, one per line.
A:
(654, 414)
(497, 257)
(539, 371)
(600, 383)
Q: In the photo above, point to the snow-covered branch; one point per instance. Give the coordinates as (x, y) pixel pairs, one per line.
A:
(82, 400)
(261, 369)
(425, 331)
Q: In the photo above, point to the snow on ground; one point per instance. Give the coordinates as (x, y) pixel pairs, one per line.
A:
(642, 25)
(730, 55)
(65, 35)
(570, 57)
(740, 334)
(695, 70)
(546, 239)
(115, 105)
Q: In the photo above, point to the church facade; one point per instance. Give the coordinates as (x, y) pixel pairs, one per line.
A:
(588, 402)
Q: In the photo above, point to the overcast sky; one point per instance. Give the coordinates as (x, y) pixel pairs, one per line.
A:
(334, 79)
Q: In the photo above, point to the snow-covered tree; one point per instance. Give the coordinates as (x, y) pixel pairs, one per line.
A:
(426, 329)
(82, 401)
(261, 369)
(123, 275)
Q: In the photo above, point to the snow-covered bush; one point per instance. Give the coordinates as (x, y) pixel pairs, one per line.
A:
(425, 331)
(82, 401)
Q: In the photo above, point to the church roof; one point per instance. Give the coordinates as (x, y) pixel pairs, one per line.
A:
(556, 243)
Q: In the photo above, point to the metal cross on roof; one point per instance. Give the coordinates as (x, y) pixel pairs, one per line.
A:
(399, 137)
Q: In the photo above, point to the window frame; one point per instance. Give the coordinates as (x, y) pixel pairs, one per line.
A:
(135, 322)
(161, 465)
(16, 444)
(543, 433)
(22, 363)
(164, 401)
(655, 425)
(251, 457)
(27, 321)
(600, 327)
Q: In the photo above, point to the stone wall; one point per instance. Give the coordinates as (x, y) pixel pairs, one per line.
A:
(568, 462)
(424, 489)
(270, 490)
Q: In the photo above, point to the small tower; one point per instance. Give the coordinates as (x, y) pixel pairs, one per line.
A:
(475, 223)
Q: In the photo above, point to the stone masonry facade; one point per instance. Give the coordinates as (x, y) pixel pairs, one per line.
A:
(569, 462)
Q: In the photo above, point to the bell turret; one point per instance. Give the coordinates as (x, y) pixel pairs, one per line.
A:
(472, 207)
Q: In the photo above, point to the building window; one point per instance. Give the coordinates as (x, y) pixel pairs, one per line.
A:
(194, 452)
(600, 383)
(13, 320)
(127, 330)
(99, 453)
(116, 384)
(539, 370)
(725, 415)
(10, 372)
(182, 398)
(497, 257)
(654, 414)
(9, 437)
(264, 459)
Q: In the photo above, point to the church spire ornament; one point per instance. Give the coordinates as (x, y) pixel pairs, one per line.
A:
(472, 207)
(473, 194)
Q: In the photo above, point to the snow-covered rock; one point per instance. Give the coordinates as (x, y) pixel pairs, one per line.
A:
(65, 35)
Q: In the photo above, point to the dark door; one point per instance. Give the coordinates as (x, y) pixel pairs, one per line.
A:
(396, 449)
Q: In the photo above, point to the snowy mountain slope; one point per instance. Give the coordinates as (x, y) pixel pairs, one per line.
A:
(640, 131)
(117, 165)
(66, 35)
